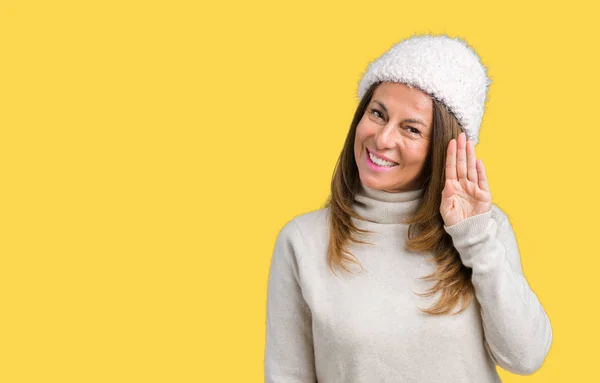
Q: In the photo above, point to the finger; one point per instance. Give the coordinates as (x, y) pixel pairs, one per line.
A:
(461, 157)
(451, 160)
(471, 170)
(483, 182)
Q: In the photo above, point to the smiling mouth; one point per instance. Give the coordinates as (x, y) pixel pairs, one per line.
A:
(384, 163)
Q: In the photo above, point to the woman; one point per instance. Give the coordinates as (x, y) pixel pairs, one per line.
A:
(431, 287)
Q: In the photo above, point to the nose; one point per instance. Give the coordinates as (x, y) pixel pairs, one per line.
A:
(386, 137)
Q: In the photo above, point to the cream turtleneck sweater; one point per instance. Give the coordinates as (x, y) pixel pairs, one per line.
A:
(367, 327)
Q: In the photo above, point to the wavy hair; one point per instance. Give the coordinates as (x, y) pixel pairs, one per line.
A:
(426, 232)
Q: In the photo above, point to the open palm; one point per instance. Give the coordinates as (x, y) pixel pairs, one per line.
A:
(466, 192)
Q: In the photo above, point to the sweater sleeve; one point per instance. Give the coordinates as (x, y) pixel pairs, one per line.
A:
(517, 329)
(289, 354)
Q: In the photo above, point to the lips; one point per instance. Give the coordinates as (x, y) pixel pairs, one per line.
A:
(381, 157)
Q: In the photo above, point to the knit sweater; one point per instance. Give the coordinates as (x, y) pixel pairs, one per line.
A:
(366, 327)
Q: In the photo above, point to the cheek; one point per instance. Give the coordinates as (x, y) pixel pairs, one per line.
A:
(417, 153)
(359, 136)
(357, 147)
(415, 147)
(363, 130)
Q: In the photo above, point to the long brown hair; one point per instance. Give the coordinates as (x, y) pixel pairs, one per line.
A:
(426, 232)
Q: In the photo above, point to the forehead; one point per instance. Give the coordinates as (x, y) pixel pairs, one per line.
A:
(397, 96)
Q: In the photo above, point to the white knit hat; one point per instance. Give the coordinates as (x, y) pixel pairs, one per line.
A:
(446, 68)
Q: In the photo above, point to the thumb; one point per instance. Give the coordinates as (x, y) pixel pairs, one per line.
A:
(448, 189)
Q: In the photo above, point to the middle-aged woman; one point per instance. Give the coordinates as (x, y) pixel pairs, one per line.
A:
(431, 287)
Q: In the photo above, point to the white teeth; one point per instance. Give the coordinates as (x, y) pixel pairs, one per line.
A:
(380, 162)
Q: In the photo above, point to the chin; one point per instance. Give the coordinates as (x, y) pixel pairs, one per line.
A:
(373, 183)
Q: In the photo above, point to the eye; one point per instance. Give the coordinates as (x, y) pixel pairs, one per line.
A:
(374, 111)
(416, 131)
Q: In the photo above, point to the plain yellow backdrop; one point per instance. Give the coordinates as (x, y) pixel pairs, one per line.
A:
(150, 151)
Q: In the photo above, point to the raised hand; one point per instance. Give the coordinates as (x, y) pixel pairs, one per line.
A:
(466, 192)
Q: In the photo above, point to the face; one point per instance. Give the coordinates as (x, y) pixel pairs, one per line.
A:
(395, 127)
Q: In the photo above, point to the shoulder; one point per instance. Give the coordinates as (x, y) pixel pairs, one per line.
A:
(313, 226)
(311, 220)
(306, 225)
(304, 233)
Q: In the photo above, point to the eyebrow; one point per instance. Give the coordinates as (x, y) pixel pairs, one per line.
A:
(406, 120)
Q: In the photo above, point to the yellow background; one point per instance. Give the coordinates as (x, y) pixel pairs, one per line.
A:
(151, 151)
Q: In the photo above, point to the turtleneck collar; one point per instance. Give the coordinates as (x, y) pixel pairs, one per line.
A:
(380, 206)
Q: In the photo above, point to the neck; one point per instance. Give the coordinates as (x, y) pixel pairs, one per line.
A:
(380, 206)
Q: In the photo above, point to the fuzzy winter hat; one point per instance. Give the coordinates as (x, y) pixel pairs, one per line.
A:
(446, 68)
